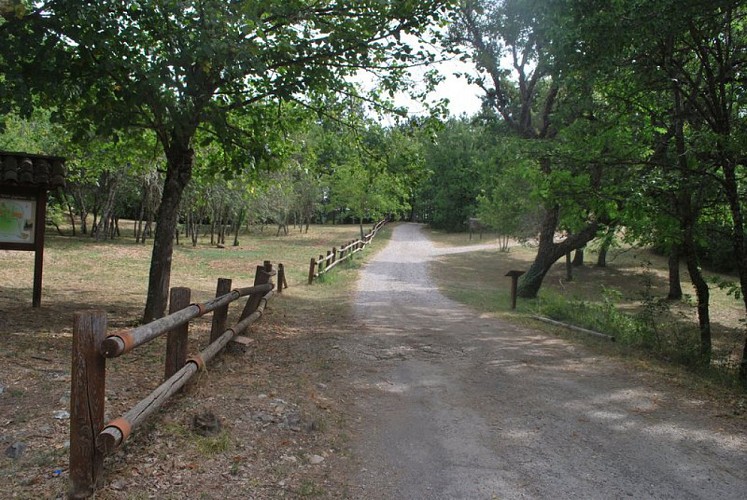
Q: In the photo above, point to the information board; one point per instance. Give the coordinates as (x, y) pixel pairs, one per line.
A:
(17, 219)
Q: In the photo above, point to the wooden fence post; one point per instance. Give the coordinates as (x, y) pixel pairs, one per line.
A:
(312, 269)
(334, 255)
(178, 338)
(220, 314)
(261, 277)
(282, 283)
(87, 392)
(321, 264)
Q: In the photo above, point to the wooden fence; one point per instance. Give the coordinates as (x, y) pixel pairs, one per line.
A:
(90, 438)
(317, 267)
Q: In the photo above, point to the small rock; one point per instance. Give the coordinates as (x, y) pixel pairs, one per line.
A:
(62, 415)
(65, 399)
(15, 450)
(321, 385)
(117, 485)
(293, 422)
(316, 459)
(263, 417)
(206, 424)
(263, 396)
(2, 389)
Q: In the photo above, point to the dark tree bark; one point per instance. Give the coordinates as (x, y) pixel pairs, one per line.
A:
(701, 291)
(180, 158)
(578, 257)
(549, 252)
(605, 247)
(688, 220)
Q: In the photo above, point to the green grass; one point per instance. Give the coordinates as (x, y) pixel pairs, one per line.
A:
(625, 299)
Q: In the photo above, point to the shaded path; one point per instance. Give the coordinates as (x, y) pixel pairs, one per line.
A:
(452, 405)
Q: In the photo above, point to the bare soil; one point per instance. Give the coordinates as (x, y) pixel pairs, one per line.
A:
(406, 395)
(283, 430)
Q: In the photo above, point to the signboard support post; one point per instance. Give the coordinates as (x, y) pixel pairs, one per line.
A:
(39, 226)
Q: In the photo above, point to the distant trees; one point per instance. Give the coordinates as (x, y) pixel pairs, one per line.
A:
(632, 116)
(174, 68)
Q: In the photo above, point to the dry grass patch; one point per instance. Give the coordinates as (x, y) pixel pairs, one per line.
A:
(276, 402)
(478, 278)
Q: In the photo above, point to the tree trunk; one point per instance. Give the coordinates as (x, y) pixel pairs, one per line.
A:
(180, 158)
(578, 257)
(703, 295)
(675, 286)
(688, 216)
(607, 240)
(549, 252)
(139, 223)
(70, 211)
(239, 221)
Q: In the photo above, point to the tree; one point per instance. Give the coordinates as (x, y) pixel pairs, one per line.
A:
(174, 67)
(456, 157)
(508, 203)
(522, 32)
(695, 57)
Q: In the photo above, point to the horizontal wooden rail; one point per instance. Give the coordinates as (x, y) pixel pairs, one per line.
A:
(324, 264)
(119, 343)
(90, 439)
(117, 431)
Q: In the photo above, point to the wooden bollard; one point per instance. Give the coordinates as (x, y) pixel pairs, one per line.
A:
(514, 275)
(312, 269)
(87, 393)
(282, 282)
(178, 338)
(261, 277)
(221, 314)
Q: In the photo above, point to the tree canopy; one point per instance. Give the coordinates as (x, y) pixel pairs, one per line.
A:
(174, 67)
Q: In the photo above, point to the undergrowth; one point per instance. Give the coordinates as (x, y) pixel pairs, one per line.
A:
(654, 327)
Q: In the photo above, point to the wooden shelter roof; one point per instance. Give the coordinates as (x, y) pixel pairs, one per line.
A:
(31, 171)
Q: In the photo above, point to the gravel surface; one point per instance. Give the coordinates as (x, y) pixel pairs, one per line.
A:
(453, 405)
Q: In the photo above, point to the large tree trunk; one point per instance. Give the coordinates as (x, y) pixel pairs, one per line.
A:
(180, 158)
(549, 251)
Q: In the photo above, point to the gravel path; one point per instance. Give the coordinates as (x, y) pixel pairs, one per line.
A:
(451, 405)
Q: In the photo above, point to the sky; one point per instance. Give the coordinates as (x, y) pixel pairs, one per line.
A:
(463, 97)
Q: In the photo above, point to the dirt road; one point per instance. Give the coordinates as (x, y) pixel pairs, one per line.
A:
(451, 405)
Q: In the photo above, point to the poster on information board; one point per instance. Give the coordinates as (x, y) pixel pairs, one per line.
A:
(17, 219)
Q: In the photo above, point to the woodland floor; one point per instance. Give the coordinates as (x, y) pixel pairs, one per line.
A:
(283, 416)
(287, 410)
